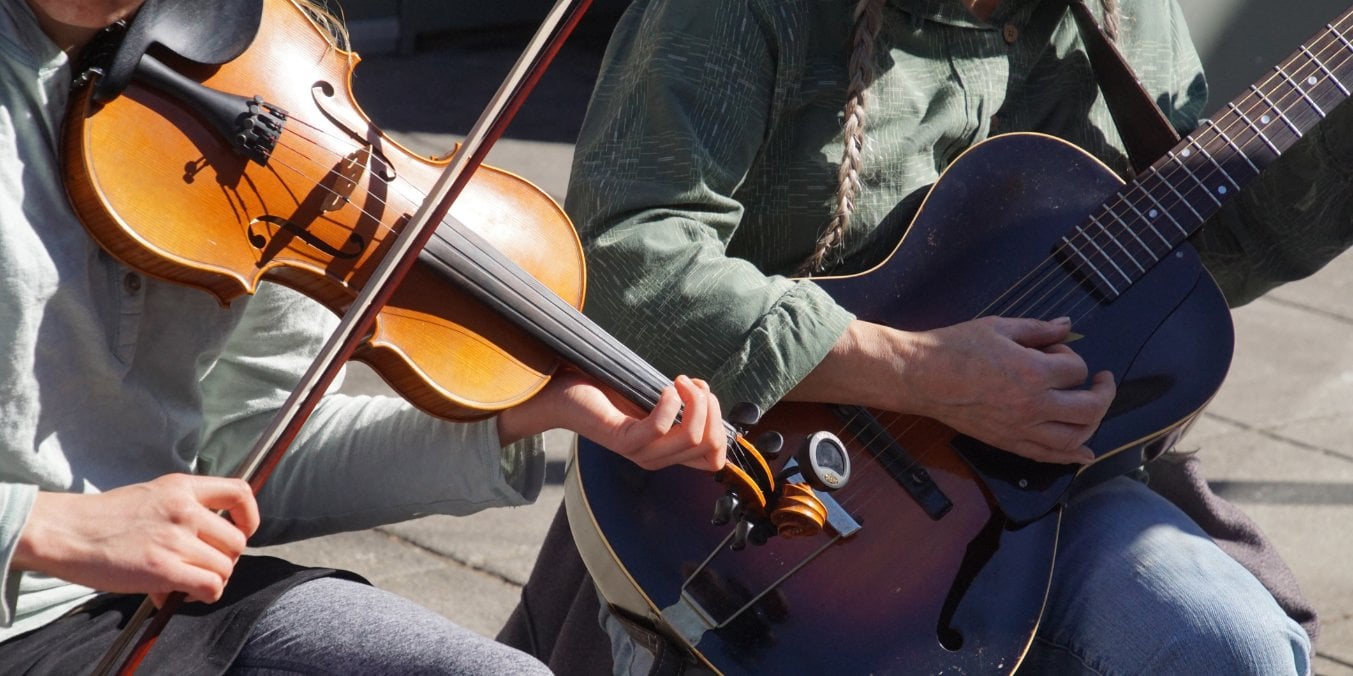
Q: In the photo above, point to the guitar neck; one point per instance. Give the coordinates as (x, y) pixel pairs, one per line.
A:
(1167, 203)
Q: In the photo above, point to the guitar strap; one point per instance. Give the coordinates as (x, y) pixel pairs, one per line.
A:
(1146, 132)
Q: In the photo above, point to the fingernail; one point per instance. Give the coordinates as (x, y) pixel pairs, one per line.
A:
(1062, 320)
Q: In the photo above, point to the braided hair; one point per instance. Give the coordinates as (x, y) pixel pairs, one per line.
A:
(867, 22)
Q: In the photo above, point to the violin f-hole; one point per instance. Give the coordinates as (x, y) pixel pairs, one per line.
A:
(321, 92)
(260, 238)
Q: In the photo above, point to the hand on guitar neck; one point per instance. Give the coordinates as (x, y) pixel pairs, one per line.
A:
(1012, 383)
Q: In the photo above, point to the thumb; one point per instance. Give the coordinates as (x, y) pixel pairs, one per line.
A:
(1037, 332)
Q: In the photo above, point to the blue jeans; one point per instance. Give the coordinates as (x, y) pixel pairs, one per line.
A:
(1137, 588)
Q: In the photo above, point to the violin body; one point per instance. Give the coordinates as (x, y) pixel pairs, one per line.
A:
(159, 188)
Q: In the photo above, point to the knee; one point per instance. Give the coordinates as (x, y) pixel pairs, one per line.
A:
(1240, 643)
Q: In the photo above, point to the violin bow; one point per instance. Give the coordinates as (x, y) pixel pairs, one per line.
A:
(360, 317)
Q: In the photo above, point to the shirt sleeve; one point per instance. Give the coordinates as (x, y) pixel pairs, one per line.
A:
(359, 461)
(16, 501)
(683, 102)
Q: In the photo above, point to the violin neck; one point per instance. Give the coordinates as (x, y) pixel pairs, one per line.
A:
(471, 263)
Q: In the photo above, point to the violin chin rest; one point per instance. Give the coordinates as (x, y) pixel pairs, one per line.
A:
(209, 32)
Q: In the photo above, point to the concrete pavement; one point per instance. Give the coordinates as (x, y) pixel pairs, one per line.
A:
(1277, 440)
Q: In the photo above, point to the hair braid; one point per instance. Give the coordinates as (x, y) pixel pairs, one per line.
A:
(868, 20)
(1111, 17)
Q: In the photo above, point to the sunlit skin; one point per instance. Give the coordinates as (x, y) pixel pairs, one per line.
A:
(165, 535)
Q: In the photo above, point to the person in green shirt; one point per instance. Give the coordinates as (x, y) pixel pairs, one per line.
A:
(733, 148)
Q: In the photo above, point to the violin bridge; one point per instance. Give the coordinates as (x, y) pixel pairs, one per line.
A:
(344, 178)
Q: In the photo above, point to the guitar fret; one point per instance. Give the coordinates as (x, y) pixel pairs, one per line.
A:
(1148, 221)
(1295, 129)
(1239, 150)
(1131, 231)
(1124, 249)
(1258, 131)
(1293, 83)
(1104, 253)
(1340, 37)
(1225, 174)
(1194, 177)
(1090, 264)
(1328, 73)
(1181, 196)
(1160, 208)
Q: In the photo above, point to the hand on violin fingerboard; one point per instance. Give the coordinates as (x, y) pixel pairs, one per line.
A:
(652, 441)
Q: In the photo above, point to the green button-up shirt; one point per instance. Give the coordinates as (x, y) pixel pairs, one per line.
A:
(706, 167)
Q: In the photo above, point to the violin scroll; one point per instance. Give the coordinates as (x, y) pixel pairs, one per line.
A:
(761, 503)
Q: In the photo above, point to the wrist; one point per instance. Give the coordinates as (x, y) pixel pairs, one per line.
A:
(866, 367)
(34, 543)
(519, 422)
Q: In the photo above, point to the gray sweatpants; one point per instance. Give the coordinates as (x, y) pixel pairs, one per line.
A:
(336, 626)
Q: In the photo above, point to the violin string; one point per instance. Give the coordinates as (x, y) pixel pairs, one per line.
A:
(533, 294)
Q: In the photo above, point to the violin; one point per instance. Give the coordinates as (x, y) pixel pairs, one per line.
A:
(159, 187)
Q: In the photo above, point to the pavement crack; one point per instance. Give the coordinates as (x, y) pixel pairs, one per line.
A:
(477, 567)
(1331, 658)
(1296, 305)
(1277, 436)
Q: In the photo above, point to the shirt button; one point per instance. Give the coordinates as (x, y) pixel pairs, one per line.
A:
(132, 282)
(1010, 32)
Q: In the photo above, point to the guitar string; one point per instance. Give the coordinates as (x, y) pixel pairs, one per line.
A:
(1174, 166)
(1170, 169)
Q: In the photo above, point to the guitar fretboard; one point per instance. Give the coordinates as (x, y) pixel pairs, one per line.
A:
(1153, 214)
